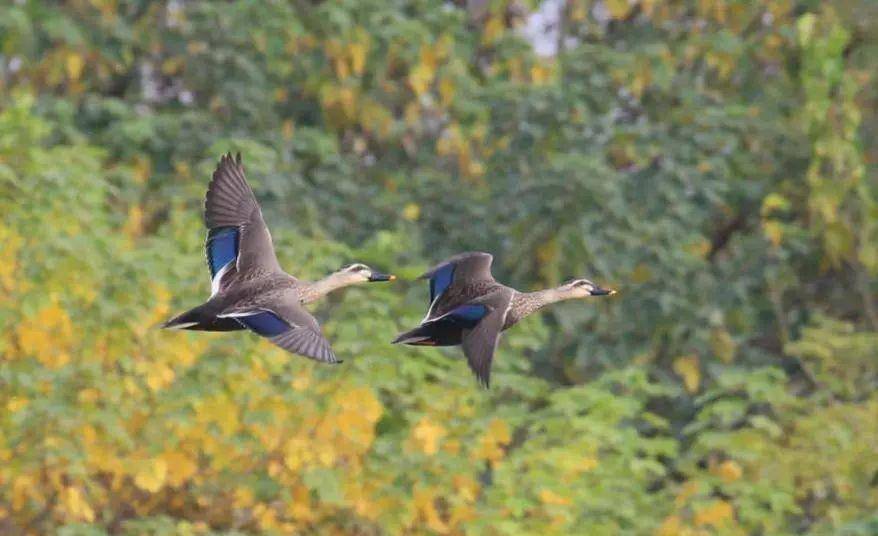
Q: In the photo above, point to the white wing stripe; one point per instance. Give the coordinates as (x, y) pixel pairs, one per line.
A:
(215, 282)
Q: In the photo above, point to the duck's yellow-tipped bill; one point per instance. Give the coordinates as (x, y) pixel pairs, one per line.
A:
(378, 276)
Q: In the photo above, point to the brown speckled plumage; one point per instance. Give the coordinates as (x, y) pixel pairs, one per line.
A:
(527, 303)
(252, 284)
(473, 309)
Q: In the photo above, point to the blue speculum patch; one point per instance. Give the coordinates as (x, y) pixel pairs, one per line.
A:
(468, 315)
(265, 323)
(222, 248)
(441, 280)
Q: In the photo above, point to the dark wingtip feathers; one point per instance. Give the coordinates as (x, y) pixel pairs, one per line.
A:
(483, 377)
(229, 200)
(227, 158)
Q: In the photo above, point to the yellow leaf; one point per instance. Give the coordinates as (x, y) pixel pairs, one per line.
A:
(75, 504)
(687, 368)
(475, 169)
(583, 465)
(427, 435)
(425, 503)
(466, 487)
(243, 497)
(411, 212)
(493, 29)
(773, 230)
(540, 74)
(490, 445)
(361, 401)
(220, 410)
(159, 376)
(774, 202)
(688, 489)
(618, 9)
(700, 248)
(300, 383)
(134, 224)
(357, 52)
(16, 403)
(451, 446)
(172, 65)
(341, 68)
(151, 475)
(10, 244)
(671, 526)
(142, 169)
(297, 453)
(446, 90)
(420, 78)
(47, 336)
(648, 6)
(74, 65)
(266, 518)
(300, 507)
(180, 467)
(729, 471)
(723, 345)
(550, 497)
(716, 513)
(88, 396)
(22, 486)
(498, 430)
(347, 97)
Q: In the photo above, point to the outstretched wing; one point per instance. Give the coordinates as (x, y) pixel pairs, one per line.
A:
(237, 238)
(288, 325)
(480, 341)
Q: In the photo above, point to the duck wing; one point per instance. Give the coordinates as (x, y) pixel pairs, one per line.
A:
(457, 279)
(286, 323)
(237, 238)
(480, 340)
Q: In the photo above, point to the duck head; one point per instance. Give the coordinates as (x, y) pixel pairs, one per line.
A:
(583, 288)
(360, 273)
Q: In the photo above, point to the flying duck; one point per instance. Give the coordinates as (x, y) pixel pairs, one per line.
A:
(468, 307)
(249, 290)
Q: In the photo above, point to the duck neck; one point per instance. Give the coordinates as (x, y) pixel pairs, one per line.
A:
(527, 303)
(315, 290)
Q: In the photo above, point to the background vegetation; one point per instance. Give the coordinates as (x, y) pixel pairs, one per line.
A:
(713, 159)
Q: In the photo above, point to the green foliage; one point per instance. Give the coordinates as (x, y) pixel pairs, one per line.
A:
(713, 159)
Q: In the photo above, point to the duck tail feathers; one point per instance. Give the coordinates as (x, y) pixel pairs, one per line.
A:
(414, 336)
(201, 319)
(429, 335)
